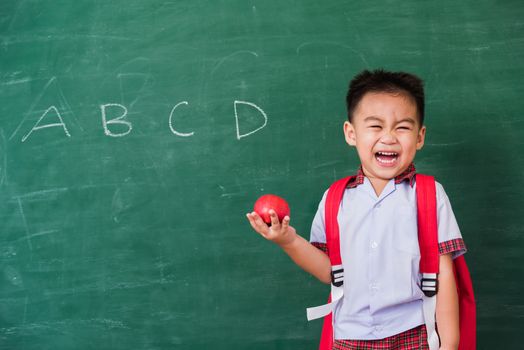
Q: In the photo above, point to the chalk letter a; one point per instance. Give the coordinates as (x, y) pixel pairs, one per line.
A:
(117, 120)
(239, 136)
(37, 126)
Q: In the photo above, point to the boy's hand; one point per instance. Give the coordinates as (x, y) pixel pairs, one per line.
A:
(280, 233)
(304, 254)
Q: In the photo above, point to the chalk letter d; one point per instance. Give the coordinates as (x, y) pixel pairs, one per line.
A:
(239, 136)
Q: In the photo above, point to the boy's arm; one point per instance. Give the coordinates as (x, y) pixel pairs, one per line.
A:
(447, 305)
(303, 253)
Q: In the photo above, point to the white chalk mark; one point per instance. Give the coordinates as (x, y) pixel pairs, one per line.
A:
(239, 136)
(121, 88)
(146, 78)
(36, 100)
(64, 101)
(45, 126)
(13, 276)
(15, 15)
(327, 164)
(178, 133)
(242, 85)
(445, 144)
(203, 86)
(41, 233)
(42, 193)
(229, 56)
(232, 194)
(155, 167)
(117, 205)
(479, 48)
(3, 155)
(130, 62)
(26, 302)
(412, 52)
(19, 39)
(117, 120)
(29, 243)
(360, 54)
(228, 194)
(16, 81)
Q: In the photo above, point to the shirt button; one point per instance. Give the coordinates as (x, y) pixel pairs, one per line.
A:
(373, 287)
(378, 206)
(378, 328)
(374, 244)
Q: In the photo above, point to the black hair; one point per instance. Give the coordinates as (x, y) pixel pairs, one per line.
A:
(380, 80)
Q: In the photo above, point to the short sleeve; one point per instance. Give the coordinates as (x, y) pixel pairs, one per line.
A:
(449, 236)
(318, 228)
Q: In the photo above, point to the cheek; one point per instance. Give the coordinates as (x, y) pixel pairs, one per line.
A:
(409, 145)
(365, 146)
(367, 139)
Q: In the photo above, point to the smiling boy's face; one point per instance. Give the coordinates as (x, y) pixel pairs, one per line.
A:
(387, 133)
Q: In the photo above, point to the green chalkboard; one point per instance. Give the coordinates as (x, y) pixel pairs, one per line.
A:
(135, 135)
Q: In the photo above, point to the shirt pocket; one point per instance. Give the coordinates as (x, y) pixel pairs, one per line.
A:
(408, 251)
(406, 230)
(405, 287)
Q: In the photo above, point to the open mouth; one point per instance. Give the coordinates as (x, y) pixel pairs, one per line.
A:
(386, 158)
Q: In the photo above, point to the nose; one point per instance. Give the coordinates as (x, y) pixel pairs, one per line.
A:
(388, 138)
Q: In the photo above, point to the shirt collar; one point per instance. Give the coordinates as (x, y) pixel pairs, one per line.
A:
(406, 175)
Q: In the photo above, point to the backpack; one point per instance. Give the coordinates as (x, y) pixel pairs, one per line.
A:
(429, 265)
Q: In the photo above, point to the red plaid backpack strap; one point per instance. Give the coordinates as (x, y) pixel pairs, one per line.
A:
(467, 305)
(427, 233)
(429, 254)
(429, 266)
(331, 207)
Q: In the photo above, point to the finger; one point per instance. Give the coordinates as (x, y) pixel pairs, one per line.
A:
(258, 224)
(256, 218)
(274, 218)
(251, 220)
(285, 223)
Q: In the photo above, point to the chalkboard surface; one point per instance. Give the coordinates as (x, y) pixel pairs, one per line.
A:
(135, 135)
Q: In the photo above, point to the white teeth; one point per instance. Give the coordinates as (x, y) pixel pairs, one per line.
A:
(386, 161)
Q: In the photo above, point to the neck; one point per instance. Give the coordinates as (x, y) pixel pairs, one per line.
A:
(378, 184)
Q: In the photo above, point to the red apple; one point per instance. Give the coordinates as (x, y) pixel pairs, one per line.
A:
(271, 201)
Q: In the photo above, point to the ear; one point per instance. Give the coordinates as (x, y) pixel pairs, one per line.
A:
(349, 133)
(420, 137)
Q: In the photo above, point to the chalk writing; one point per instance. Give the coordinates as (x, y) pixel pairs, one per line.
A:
(112, 125)
(118, 120)
(37, 126)
(171, 121)
(239, 136)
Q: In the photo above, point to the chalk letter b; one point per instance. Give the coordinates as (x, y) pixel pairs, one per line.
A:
(118, 120)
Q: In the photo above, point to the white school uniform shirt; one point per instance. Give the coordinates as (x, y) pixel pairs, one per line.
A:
(380, 255)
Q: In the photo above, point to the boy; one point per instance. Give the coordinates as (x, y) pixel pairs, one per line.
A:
(382, 303)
